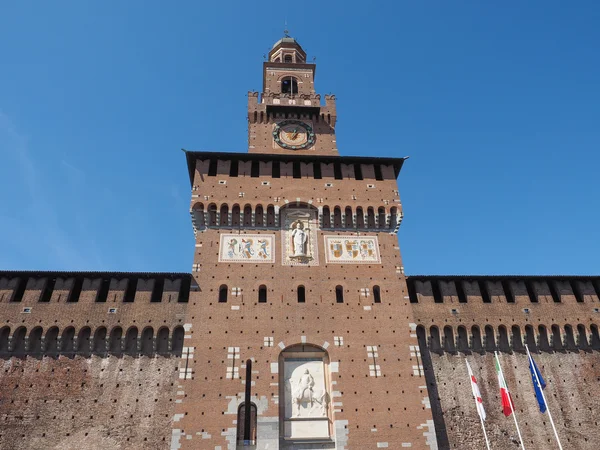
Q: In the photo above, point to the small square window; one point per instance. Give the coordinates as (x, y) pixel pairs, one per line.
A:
(26, 310)
(112, 310)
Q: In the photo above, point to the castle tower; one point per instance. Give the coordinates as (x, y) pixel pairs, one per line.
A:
(297, 269)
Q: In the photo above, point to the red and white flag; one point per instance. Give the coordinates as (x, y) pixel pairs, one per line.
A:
(476, 393)
(507, 403)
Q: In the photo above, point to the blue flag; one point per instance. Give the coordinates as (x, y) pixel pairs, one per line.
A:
(536, 386)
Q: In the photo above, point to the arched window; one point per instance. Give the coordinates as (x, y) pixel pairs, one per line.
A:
(270, 216)
(178, 335)
(51, 341)
(476, 345)
(301, 294)
(114, 345)
(360, 218)
(337, 217)
(326, 217)
(376, 294)
(348, 218)
(241, 420)
(259, 219)
(35, 341)
(83, 341)
(131, 341)
(212, 215)
(235, 216)
(247, 216)
(223, 294)
(370, 218)
(262, 294)
(339, 294)
(100, 340)
(289, 85)
(224, 216)
(198, 211)
(4, 334)
(67, 342)
(19, 340)
(287, 59)
(381, 217)
(393, 217)
(162, 341)
(148, 341)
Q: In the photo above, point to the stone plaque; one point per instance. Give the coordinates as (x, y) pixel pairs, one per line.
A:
(240, 248)
(354, 250)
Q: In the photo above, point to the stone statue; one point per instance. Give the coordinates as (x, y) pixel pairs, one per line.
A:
(304, 391)
(299, 239)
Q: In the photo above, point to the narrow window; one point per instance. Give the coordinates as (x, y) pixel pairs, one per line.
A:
(255, 169)
(262, 294)
(348, 219)
(358, 172)
(212, 168)
(376, 294)
(19, 291)
(223, 294)
(301, 294)
(339, 294)
(296, 169)
(102, 294)
(270, 216)
(224, 215)
(75, 290)
(326, 217)
(233, 168)
(337, 171)
(317, 170)
(184, 290)
(378, 174)
(381, 217)
(337, 217)
(276, 170)
(157, 291)
(259, 219)
(129, 295)
(360, 218)
(289, 85)
(47, 292)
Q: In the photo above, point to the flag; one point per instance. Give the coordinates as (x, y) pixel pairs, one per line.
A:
(533, 368)
(476, 393)
(504, 394)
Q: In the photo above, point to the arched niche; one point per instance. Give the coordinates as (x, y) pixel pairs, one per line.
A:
(304, 385)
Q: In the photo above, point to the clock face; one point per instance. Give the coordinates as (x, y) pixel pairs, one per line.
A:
(293, 135)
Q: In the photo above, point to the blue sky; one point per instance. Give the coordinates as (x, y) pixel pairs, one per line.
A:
(496, 103)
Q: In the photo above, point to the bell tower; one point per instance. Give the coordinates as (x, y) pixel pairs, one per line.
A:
(288, 116)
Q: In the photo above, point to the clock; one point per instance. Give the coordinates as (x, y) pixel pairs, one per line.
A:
(293, 135)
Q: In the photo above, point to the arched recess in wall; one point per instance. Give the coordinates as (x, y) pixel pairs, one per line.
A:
(19, 341)
(557, 344)
(348, 218)
(360, 218)
(247, 216)
(434, 340)
(51, 341)
(212, 215)
(235, 215)
(595, 337)
(262, 294)
(582, 339)
(270, 216)
(570, 343)
(100, 340)
(370, 217)
(530, 340)
(517, 340)
(224, 215)
(67, 342)
(376, 294)
(476, 344)
(301, 294)
(4, 335)
(131, 341)
(339, 294)
(114, 341)
(223, 293)
(84, 341)
(241, 419)
(381, 217)
(326, 217)
(503, 342)
(35, 342)
(198, 211)
(306, 412)
(178, 334)
(463, 340)
(490, 339)
(147, 341)
(393, 217)
(449, 346)
(337, 217)
(162, 341)
(259, 219)
(544, 342)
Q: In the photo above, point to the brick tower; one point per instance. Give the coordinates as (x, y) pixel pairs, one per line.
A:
(297, 270)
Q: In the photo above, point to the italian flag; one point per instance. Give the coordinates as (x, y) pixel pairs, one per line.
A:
(506, 398)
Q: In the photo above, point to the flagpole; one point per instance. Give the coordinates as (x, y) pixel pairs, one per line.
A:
(487, 442)
(543, 397)
(512, 406)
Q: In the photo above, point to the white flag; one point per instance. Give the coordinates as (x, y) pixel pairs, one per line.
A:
(476, 393)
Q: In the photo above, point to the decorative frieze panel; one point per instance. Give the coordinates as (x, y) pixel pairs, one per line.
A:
(240, 248)
(354, 250)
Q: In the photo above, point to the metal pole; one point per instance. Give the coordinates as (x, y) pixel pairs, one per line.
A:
(512, 406)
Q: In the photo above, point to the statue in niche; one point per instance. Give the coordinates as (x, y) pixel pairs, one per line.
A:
(303, 394)
(299, 240)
